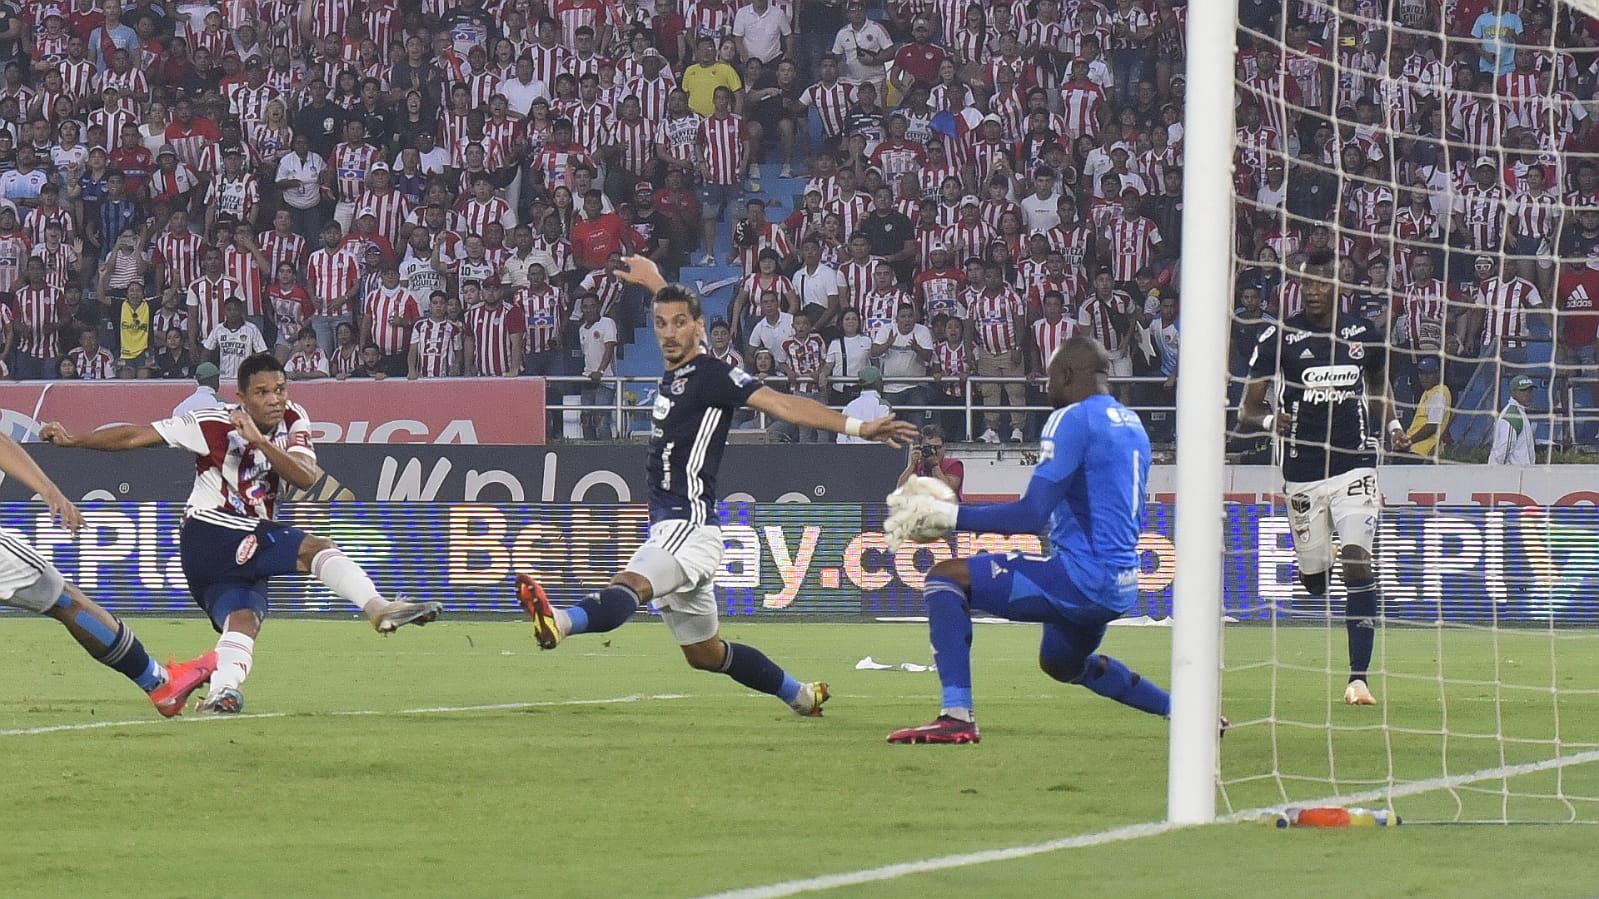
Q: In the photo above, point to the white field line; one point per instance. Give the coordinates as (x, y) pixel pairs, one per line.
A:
(1128, 832)
(428, 710)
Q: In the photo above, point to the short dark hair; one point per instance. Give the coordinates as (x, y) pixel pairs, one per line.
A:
(681, 293)
(256, 364)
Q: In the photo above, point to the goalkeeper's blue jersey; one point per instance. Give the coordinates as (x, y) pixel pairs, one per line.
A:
(1098, 450)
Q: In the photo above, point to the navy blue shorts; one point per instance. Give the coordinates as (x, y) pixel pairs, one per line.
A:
(227, 560)
(1025, 587)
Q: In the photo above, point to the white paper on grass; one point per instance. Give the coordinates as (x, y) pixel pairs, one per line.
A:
(871, 664)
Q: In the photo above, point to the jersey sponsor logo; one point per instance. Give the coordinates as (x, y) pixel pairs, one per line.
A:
(246, 549)
(681, 384)
(663, 407)
(1349, 331)
(1331, 376)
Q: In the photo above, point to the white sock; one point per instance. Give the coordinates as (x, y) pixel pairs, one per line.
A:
(235, 652)
(957, 714)
(341, 575)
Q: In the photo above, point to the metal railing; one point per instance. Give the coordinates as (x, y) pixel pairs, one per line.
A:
(631, 418)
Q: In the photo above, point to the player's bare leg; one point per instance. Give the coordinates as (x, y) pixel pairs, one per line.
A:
(322, 559)
(112, 643)
(750, 667)
(1361, 610)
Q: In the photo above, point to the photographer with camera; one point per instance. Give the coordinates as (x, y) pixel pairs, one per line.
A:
(928, 461)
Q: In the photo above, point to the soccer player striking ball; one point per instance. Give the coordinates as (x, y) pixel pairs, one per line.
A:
(676, 567)
(229, 543)
(28, 581)
(1088, 489)
(1332, 371)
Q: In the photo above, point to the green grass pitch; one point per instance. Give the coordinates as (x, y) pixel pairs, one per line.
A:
(329, 787)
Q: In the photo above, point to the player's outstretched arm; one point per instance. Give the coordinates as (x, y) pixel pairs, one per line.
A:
(808, 413)
(113, 439)
(16, 462)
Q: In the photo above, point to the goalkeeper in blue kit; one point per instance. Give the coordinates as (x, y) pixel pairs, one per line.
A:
(1088, 489)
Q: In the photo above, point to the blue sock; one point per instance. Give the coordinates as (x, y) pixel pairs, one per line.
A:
(1110, 678)
(604, 611)
(1360, 620)
(127, 656)
(750, 667)
(949, 622)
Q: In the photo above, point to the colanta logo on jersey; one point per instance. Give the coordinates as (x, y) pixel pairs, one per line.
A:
(1330, 383)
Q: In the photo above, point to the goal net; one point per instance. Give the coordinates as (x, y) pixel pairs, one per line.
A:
(1444, 152)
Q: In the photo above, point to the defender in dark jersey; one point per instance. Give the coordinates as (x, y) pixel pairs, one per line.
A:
(675, 570)
(1332, 389)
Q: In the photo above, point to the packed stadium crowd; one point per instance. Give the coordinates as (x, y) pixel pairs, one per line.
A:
(951, 188)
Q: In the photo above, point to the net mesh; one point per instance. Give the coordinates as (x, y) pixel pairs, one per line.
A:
(1445, 153)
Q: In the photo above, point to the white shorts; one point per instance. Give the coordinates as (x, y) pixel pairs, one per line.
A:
(681, 561)
(27, 579)
(1345, 504)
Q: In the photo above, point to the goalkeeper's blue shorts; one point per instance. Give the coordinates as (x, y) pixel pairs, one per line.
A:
(1024, 587)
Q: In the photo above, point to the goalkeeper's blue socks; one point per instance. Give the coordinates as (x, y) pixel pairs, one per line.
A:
(1360, 620)
(604, 611)
(1113, 680)
(750, 667)
(949, 623)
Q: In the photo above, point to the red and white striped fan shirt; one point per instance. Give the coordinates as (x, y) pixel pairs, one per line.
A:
(1534, 215)
(549, 62)
(1415, 232)
(637, 142)
(205, 299)
(241, 267)
(102, 366)
(38, 316)
(992, 211)
(494, 331)
(79, 79)
(878, 308)
(1482, 210)
(995, 316)
(180, 253)
(831, 104)
(965, 241)
(721, 142)
(43, 218)
(280, 248)
(501, 134)
(651, 95)
(1479, 122)
(389, 208)
(453, 133)
(249, 103)
(232, 479)
(1047, 336)
(804, 361)
(1506, 301)
(1423, 306)
(557, 163)
(385, 304)
(438, 347)
(58, 263)
(953, 363)
(329, 16)
(851, 211)
(1254, 148)
(859, 281)
(380, 18)
(588, 123)
(1518, 93)
(131, 83)
(309, 363)
(1290, 300)
(350, 164)
(571, 15)
(1308, 66)
(1132, 243)
(974, 46)
(164, 320)
(1095, 317)
(543, 312)
(477, 215)
(331, 275)
(290, 307)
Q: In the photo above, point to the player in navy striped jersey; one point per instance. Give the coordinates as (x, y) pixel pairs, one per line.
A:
(1332, 387)
(676, 568)
(229, 544)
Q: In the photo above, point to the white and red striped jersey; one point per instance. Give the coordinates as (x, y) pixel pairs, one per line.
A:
(385, 304)
(1253, 149)
(850, 210)
(205, 298)
(329, 16)
(58, 262)
(101, 366)
(350, 164)
(249, 103)
(878, 308)
(1308, 66)
(769, 235)
(1557, 119)
(131, 83)
(803, 356)
(1131, 243)
(570, 15)
(1506, 301)
(280, 248)
(974, 46)
(1082, 106)
(164, 320)
(242, 268)
(477, 215)
(543, 314)
(992, 211)
(965, 241)
(589, 123)
(651, 94)
(14, 249)
(1422, 308)
(721, 143)
(1290, 300)
(1415, 232)
(1518, 94)
(180, 253)
(940, 292)
(380, 18)
(859, 280)
(438, 347)
(679, 136)
(1095, 315)
(954, 363)
(79, 79)
(1482, 211)
(37, 311)
(232, 478)
(43, 217)
(453, 133)
(290, 308)
(1047, 337)
(1534, 215)
(1479, 122)
(831, 103)
(549, 62)
(494, 330)
(302, 363)
(995, 317)
(330, 276)
(636, 140)
(389, 208)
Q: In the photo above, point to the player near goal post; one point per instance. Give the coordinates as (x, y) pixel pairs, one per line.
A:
(1331, 370)
(676, 568)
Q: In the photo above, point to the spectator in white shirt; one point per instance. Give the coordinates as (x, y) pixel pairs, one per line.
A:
(848, 356)
(233, 340)
(597, 337)
(206, 378)
(772, 328)
(1513, 431)
(903, 349)
(299, 178)
(869, 402)
(864, 47)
